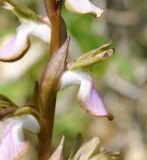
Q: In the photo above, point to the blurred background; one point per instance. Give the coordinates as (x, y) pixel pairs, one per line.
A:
(121, 80)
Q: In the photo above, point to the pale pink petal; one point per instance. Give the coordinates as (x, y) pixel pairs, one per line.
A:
(13, 143)
(87, 96)
(19, 44)
(83, 7)
(15, 48)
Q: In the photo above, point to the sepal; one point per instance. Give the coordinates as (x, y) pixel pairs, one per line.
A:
(87, 60)
(83, 7)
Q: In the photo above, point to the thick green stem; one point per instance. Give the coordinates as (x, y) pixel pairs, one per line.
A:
(48, 91)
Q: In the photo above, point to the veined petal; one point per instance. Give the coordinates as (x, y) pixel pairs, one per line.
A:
(83, 7)
(13, 143)
(87, 97)
(19, 44)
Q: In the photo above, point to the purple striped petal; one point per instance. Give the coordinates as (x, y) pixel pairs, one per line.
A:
(13, 143)
(20, 44)
(83, 7)
(87, 97)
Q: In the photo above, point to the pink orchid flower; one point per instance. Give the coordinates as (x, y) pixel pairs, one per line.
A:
(19, 44)
(87, 96)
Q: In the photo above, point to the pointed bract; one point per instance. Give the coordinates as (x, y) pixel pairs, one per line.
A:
(88, 97)
(19, 44)
(55, 68)
(13, 143)
(83, 7)
(58, 153)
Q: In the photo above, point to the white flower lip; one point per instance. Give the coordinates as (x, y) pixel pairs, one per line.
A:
(87, 96)
(83, 7)
(19, 44)
(13, 143)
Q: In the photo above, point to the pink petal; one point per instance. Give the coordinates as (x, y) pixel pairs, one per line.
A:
(93, 103)
(88, 97)
(13, 143)
(13, 147)
(83, 7)
(19, 44)
(15, 48)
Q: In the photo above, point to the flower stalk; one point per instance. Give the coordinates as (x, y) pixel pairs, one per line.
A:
(49, 82)
(58, 27)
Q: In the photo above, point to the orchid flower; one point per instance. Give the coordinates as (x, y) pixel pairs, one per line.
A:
(31, 24)
(13, 141)
(87, 96)
(83, 7)
(20, 43)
